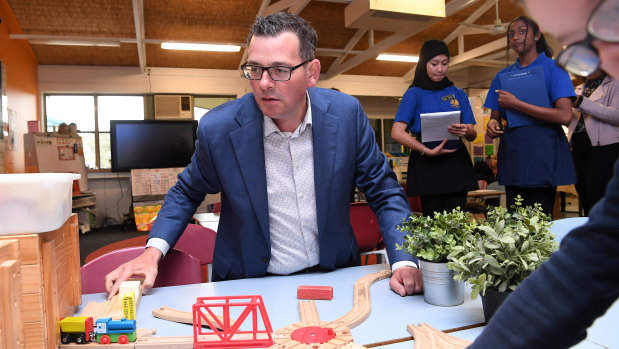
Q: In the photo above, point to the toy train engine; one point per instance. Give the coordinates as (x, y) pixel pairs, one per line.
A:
(77, 329)
(120, 331)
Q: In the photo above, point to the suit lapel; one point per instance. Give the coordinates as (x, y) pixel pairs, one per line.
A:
(324, 130)
(248, 145)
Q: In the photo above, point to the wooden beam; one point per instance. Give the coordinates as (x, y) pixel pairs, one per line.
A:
(451, 8)
(479, 51)
(470, 19)
(138, 18)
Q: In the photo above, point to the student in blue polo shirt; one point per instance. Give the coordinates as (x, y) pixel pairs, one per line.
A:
(439, 172)
(534, 156)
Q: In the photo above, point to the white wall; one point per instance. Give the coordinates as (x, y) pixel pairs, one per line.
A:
(88, 79)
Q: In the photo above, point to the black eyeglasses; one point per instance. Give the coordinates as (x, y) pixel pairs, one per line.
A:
(277, 72)
(582, 58)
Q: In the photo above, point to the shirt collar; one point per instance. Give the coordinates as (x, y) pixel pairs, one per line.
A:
(535, 62)
(269, 126)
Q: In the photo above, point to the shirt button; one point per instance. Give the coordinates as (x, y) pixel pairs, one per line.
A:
(265, 260)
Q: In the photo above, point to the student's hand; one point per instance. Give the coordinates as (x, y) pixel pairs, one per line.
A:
(145, 265)
(458, 129)
(507, 100)
(493, 129)
(438, 150)
(406, 281)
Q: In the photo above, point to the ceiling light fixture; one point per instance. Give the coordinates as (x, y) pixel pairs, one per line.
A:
(199, 47)
(398, 58)
(76, 43)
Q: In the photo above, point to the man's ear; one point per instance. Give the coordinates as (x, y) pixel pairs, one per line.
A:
(313, 68)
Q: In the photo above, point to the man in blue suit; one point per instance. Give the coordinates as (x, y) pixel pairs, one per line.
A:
(284, 158)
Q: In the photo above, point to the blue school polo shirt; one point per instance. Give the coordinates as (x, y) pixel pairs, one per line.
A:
(416, 101)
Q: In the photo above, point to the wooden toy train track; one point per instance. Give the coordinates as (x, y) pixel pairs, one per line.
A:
(312, 333)
(309, 333)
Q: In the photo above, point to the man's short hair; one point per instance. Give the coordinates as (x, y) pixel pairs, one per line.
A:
(280, 22)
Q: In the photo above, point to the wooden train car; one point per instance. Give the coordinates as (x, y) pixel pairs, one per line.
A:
(120, 331)
(77, 329)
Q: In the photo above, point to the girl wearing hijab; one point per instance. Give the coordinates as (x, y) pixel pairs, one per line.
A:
(439, 172)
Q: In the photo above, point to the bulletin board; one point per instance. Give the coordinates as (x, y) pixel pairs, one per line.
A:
(56, 153)
(483, 146)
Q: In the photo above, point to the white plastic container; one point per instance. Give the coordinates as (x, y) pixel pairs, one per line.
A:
(35, 202)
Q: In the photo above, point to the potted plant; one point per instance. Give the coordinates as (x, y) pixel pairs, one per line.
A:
(504, 249)
(431, 240)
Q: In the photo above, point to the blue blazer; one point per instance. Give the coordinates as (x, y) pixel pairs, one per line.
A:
(229, 158)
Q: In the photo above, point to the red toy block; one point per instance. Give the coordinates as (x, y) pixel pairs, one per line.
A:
(315, 292)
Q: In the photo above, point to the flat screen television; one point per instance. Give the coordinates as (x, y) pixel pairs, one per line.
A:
(139, 144)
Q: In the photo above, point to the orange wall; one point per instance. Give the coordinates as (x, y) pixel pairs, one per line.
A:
(21, 84)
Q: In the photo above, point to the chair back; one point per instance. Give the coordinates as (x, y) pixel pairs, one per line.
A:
(176, 268)
(365, 225)
(199, 242)
(561, 227)
(367, 231)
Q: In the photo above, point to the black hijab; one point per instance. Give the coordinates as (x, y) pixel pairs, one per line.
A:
(429, 50)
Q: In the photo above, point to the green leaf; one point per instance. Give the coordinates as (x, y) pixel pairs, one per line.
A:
(506, 239)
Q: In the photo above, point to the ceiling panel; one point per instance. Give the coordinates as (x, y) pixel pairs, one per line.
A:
(226, 21)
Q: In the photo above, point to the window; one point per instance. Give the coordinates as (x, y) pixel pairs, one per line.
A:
(92, 115)
(202, 104)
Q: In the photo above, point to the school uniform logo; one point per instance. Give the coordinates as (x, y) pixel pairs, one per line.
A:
(452, 100)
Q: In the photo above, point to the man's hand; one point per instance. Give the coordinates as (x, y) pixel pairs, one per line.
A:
(145, 265)
(406, 281)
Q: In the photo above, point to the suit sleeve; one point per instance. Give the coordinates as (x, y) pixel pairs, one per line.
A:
(555, 305)
(374, 177)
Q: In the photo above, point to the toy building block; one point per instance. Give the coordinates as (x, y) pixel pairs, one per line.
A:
(315, 292)
(131, 286)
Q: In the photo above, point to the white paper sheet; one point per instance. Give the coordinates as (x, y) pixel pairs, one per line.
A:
(434, 125)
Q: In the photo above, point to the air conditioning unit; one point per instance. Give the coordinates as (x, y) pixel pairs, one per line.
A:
(173, 107)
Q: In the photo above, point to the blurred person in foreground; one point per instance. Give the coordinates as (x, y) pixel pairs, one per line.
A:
(555, 305)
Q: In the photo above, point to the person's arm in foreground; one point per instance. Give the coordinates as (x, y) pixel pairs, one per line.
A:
(555, 305)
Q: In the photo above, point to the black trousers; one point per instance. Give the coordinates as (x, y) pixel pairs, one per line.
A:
(442, 202)
(594, 169)
(544, 196)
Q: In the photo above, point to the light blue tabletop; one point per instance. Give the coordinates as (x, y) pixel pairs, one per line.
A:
(387, 321)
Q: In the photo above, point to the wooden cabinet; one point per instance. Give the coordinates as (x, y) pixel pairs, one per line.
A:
(45, 287)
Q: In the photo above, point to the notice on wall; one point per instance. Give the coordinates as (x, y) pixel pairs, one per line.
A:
(155, 181)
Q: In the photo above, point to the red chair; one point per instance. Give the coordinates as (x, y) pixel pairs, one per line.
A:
(413, 201)
(176, 268)
(199, 242)
(217, 207)
(365, 226)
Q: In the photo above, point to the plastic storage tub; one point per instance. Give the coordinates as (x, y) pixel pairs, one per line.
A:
(35, 202)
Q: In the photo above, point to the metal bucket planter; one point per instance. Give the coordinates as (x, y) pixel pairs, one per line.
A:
(439, 286)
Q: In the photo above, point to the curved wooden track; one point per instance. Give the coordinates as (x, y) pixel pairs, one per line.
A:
(310, 319)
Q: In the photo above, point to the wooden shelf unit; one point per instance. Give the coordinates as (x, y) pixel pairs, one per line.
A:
(48, 283)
